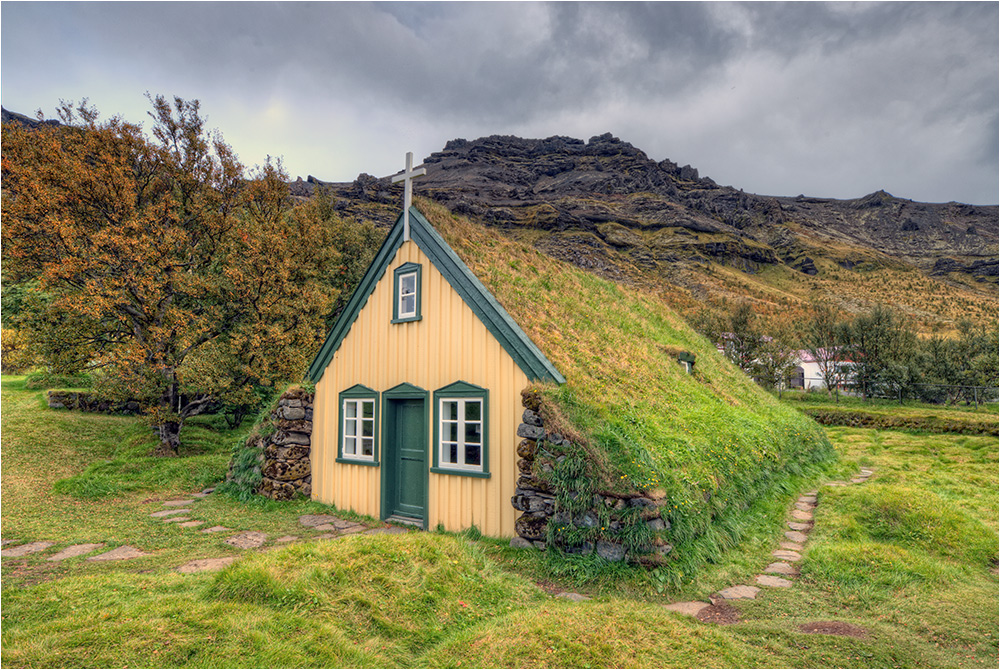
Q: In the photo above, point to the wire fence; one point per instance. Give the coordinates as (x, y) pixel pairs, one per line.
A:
(936, 394)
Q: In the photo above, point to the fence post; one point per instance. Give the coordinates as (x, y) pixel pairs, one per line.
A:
(900, 395)
(975, 394)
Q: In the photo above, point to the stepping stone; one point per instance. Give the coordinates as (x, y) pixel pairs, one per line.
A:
(286, 538)
(176, 503)
(191, 524)
(206, 564)
(691, 608)
(739, 592)
(781, 568)
(801, 516)
(865, 472)
(313, 520)
(120, 554)
(357, 528)
(4, 543)
(325, 527)
(805, 507)
(859, 480)
(796, 536)
(787, 555)
(214, 529)
(200, 495)
(575, 597)
(250, 539)
(811, 494)
(25, 549)
(837, 483)
(208, 490)
(791, 546)
(392, 530)
(175, 519)
(168, 512)
(76, 550)
(771, 580)
(795, 525)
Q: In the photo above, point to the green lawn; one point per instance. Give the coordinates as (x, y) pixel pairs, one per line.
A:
(910, 557)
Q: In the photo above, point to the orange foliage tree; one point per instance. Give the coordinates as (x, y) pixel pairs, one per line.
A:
(161, 261)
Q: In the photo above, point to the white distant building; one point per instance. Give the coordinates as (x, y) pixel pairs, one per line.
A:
(807, 373)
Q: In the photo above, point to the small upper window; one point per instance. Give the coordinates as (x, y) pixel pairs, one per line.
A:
(406, 306)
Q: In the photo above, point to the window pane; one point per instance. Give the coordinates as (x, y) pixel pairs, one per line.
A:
(368, 409)
(408, 305)
(473, 433)
(473, 454)
(367, 447)
(450, 432)
(351, 427)
(452, 450)
(349, 446)
(473, 410)
(409, 284)
(351, 408)
(368, 428)
(449, 410)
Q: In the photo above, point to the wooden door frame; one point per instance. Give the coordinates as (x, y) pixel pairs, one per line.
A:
(389, 452)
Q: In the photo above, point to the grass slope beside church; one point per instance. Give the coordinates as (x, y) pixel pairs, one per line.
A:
(707, 444)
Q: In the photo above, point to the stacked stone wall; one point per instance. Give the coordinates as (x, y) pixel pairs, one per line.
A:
(538, 497)
(86, 401)
(282, 445)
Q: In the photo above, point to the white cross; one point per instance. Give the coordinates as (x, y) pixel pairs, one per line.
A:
(407, 177)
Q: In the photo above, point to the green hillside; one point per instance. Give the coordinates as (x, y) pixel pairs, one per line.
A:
(712, 443)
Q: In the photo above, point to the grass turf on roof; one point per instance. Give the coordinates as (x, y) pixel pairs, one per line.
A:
(712, 442)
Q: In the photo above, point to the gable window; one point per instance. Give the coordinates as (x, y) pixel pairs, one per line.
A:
(406, 303)
(358, 425)
(461, 444)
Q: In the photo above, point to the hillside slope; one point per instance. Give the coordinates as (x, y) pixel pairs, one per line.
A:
(711, 443)
(604, 206)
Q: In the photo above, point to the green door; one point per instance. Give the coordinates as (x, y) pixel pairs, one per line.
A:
(408, 480)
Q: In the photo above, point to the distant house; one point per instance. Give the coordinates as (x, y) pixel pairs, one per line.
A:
(418, 392)
(808, 374)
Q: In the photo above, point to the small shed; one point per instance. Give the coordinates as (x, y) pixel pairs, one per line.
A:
(418, 392)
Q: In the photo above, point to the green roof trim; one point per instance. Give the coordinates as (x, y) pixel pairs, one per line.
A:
(491, 313)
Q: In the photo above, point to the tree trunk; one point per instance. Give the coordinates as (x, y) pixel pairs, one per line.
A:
(170, 439)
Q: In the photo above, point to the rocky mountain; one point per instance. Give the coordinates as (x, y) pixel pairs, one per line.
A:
(605, 205)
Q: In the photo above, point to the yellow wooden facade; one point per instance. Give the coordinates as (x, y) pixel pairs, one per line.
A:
(448, 344)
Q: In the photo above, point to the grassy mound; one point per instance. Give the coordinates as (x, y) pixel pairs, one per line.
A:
(712, 442)
(397, 593)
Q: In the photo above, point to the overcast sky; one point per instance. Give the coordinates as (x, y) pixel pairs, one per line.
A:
(833, 100)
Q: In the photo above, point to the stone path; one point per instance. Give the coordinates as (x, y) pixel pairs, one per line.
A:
(315, 527)
(777, 575)
(780, 573)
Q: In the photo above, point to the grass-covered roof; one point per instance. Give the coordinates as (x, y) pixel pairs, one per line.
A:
(711, 442)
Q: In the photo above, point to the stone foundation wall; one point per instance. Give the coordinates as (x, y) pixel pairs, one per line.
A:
(283, 446)
(538, 498)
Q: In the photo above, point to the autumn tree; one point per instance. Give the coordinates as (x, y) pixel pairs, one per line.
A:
(825, 337)
(161, 262)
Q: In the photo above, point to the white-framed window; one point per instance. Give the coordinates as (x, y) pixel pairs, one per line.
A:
(358, 431)
(461, 434)
(407, 295)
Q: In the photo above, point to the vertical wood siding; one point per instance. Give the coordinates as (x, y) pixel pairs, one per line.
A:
(448, 344)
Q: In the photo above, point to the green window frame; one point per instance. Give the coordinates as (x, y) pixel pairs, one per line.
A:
(358, 426)
(461, 430)
(406, 294)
